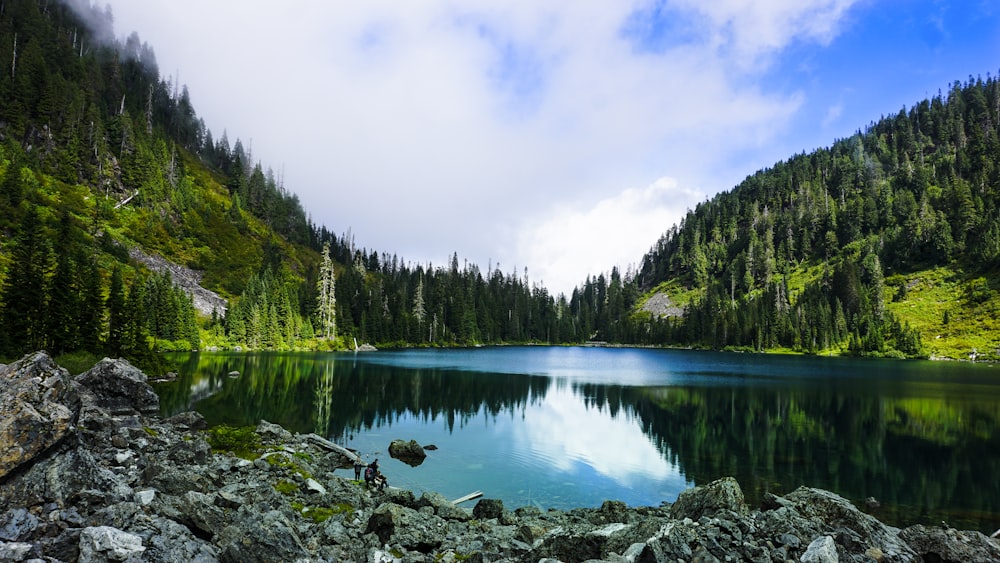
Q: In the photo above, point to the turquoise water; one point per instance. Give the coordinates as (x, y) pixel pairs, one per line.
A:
(566, 427)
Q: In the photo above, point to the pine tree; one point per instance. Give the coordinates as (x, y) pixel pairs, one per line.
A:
(25, 290)
(326, 307)
(116, 314)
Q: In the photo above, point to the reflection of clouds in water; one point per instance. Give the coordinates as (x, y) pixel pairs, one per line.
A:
(565, 432)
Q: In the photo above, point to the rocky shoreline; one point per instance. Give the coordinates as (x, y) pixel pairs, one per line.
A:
(89, 472)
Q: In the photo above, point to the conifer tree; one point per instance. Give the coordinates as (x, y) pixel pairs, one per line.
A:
(326, 307)
(25, 289)
(116, 314)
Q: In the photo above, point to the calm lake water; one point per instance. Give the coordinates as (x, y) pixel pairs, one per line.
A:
(568, 427)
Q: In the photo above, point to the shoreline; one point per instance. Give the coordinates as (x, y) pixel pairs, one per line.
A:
(100, 476)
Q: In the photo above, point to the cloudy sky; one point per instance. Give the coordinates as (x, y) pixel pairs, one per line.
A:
(561, 136)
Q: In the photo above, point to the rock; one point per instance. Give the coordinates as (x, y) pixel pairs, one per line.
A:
(14, 551)
(835, 513)
(443, 507)
(145, 497)
(488, 508)
(821, 550)
(261, 538)
(949, 545)
(119, 387)
(17, 524)
(722, 494)
(167, 541)
(410, 453)
(191, 420)
(37, 408)
(406, 527)
(315, 487)
(103, 543)
(273, 431)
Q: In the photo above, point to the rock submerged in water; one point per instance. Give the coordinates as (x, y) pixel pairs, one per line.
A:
(410, 453)
(123, 485)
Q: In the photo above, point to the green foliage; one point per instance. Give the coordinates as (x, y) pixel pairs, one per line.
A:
(77, 362)
(794, 256)
(286, 487)
(243, 442)
(284, 461)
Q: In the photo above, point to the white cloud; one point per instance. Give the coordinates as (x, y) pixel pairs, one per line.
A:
(614, 446)
(573, 242)
(430, 127)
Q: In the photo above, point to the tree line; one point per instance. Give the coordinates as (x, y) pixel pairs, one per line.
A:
(96, 142)
(915, 190)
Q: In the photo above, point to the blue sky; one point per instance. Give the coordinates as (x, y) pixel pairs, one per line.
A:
(563, 137)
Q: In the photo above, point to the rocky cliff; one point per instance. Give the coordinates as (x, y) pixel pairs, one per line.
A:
(90, 473)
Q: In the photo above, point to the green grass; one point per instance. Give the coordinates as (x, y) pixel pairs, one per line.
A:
(286, 487)
(239, 441)
(954, 312)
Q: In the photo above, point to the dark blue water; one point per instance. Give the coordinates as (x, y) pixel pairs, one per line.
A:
(568, 427)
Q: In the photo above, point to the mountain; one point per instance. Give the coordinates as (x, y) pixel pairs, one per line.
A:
(886, 243)
(113, 190)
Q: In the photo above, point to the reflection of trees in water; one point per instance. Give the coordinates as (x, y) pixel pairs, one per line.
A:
(916, 456)
(311, 393)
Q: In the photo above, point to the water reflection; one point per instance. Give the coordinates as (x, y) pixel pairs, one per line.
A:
(919, 437)
(566, 432)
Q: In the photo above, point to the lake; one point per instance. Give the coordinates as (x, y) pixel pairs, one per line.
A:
(566, 427)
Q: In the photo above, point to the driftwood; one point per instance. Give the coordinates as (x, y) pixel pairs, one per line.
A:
(469, 496)
(328, 445)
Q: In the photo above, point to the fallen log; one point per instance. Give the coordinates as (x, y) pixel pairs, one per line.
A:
(469, 496)
(328, 445)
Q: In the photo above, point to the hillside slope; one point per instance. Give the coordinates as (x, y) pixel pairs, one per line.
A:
(885, 243)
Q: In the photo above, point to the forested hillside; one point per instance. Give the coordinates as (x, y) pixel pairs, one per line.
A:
(885, 243)
(100, 154)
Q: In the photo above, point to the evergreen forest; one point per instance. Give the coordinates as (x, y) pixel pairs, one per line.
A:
(886, 243)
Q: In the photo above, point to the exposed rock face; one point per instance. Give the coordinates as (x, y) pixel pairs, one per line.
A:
(37, 407)
(205, 301)
(410, 453)
(124, 486)
(660, 305)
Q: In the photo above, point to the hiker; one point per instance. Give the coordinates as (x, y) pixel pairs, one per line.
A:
(358, 466)
(371, 472)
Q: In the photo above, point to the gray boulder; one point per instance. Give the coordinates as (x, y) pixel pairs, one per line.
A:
(853, 529)
(821, 550)
(119, 387)
(949, 545)
(261, 538)
(100, 544)
(17, 524)
(721, 494)
(410, 453)
(488, 508)
(406, 527)
(37, 409)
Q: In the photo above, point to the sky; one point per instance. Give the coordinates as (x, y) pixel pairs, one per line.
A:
(553, 139)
